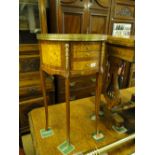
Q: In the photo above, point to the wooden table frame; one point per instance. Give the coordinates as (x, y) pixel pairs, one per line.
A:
(67, 72)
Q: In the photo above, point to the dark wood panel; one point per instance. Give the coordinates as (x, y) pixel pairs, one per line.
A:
(77, 94)
(98, 24)
(122, 11)
(68, 1)
(25, 107)
(76, 83)
(30, 64)
(72, 22)
(103, 3)
(29, 84)
(132, 76)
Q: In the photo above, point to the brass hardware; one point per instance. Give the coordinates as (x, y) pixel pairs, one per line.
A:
(114, 145)
(67, 55)
(72, 37)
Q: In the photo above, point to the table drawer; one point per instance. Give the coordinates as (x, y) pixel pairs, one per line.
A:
(124, 53)
(85, 65)
(85, 50)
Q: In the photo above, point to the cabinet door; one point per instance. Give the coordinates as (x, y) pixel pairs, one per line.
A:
(72, 16)
(72, 22)
(99, 12)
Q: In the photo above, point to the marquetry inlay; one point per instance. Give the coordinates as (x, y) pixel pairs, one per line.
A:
(51, 54)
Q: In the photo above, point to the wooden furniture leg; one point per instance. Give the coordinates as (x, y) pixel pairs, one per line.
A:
(98, 98)
(43, 86)
(67, 87)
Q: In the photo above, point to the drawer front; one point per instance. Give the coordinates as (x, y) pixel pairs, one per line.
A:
(34, 89)
(77, 83)
(29, 59)
(30, 84)
(122, 53)
(77, 94)
(123, 11)
(85, 56)
(85, 50)
(29, 64)
(85, 65)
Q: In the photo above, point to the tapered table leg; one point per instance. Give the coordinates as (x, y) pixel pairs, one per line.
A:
(67, 87)
(97, 99)
(43, 86)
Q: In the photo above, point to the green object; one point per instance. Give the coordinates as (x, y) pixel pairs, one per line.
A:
(46, 133)
(119, 130)
(65, 148)
(98, 138)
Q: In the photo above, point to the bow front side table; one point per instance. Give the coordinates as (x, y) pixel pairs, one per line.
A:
(71, 55)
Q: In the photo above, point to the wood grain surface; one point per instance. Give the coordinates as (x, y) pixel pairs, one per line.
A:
(81, 127)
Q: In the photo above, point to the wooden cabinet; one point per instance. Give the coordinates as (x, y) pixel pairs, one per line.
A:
(99, 12)
(80, 16)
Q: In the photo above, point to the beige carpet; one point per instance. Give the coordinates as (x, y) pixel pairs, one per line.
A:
(27, 145)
